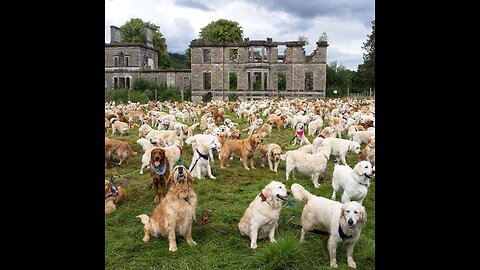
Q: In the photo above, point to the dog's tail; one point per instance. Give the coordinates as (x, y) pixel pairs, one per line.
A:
(300, 193)
(284, 156)
(194, 126)
(143, 218)
(130, 152)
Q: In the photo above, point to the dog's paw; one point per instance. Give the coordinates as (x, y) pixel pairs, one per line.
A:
(254, 168)
(253, 246)
(213, 177)
(334, 265)
(141, 171)
(172, 249)
(352, 264)
(192, 243)
(273, 240)
(248, 169)
(146, 238)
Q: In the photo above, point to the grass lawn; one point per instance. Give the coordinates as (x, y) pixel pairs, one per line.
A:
(224, 200)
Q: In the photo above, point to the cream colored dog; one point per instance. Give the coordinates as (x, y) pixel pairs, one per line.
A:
(343, 222)
(340, 147)
(270, 152)
(261, 217)
(352, 184)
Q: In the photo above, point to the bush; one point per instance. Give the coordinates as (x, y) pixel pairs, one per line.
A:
(121, 95)
(232, 97)
(207, 97)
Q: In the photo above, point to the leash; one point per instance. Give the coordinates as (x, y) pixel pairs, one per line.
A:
(116, 176)
(200, 155)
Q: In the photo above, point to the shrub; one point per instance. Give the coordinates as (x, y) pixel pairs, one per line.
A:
(121, 95)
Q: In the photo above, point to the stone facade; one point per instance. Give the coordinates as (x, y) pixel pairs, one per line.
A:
(124, 62)
(257, 65)
(254, 68)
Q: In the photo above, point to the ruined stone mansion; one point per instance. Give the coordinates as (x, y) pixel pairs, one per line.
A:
(252, 69)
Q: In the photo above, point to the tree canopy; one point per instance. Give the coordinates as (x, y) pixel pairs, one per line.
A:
(221, 30)
(133, 32)
(365, 76)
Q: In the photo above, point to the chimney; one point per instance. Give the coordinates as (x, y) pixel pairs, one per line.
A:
(148, 36)
(114, 34)
(246, 39)
(269, 40)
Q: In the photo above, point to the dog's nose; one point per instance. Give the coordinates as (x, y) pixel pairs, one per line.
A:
(288, 192)
(373, 171)
(350, 222)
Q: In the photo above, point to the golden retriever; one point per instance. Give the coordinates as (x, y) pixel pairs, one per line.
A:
(270, 152)
(118, 149)
(159, 172)
(368, 153)
(114, 196)
(241, 148)
(261, 217)
(343, 222)
(175, 213)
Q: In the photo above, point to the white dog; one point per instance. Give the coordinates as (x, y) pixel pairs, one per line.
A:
(340, 147)
(343, 222)
(261, 217)
(300, 135)
(200, 165)
(352, 184)
(309, 164)
(207, 139)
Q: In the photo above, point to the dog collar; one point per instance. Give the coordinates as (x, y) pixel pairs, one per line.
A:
(181, 150)
(342, 234)
(300, 132)
(202, 155)
(155, 169)
(321, 136)
(114, 120)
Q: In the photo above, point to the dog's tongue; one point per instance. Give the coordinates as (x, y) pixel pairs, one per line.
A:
(157, 163)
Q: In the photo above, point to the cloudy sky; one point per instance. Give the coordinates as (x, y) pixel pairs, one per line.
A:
(346, 22)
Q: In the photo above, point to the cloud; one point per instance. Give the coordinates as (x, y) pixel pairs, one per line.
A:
(346, 22)
(178, 38)
(193, 4)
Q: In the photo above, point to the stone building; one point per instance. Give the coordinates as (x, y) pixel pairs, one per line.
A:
(252, 69)
(124, 62)
(258, 69)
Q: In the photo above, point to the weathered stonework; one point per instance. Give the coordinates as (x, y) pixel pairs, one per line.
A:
(125, 62)
(257, 64)
(253, 58)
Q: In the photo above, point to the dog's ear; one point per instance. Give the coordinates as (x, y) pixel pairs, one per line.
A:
(358, 169)
(267, 194)
(342, 212)
(363, 216)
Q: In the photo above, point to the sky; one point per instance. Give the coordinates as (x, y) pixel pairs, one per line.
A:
(347, 23)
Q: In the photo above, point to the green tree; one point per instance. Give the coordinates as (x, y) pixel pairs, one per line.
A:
(303, 39)
(133, 32)
(221, 31)
(365, 76)
(339, 79)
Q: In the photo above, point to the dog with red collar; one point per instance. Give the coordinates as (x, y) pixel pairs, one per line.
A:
(300, 135)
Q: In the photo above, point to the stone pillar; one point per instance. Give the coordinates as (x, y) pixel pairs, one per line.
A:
(114, 34)
(262, 80)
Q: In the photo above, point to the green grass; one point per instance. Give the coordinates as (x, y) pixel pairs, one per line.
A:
(224, 200)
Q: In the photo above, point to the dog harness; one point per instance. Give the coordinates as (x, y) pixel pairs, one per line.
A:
(155, 169)
(342, 234)
(200, 156)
